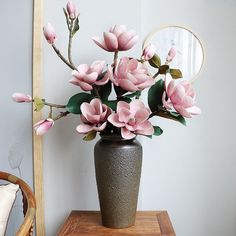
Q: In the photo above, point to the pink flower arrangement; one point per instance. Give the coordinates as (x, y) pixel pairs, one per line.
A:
(127, 76)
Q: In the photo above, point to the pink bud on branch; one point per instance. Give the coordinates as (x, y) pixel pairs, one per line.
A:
(49, 33)
(71, 10)
(20, 97)
(171, 55)
(149, 52)
(43, 126)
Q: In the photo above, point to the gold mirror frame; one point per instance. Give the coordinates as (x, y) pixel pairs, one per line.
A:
(149, 37)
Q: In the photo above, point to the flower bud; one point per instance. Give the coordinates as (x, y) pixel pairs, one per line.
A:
(49, 33)
(71, 10)
(20, 97)
(171, 55)
(149, 52)
(43, 126)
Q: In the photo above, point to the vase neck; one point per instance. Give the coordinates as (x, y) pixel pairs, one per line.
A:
(114, 137)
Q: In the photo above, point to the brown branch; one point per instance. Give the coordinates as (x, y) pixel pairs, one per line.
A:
(63, 58)
(54, 105)
(63, 114)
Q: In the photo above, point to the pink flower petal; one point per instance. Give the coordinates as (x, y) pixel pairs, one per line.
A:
(131, 43)
(121, 105)
(83, 68)
(182, 111)
(100, 43)
(110, 41)
(104, 80)
(114, 119)
(165, 103)
(141, 115)
(136, 105)
(124, 115)
(127, 85)
(194, 110)
(127, 40)
(84, 128)
(97, 66)
(90, 78)
(148, 83)
(101, 127)
(178, 94)
(118, 29)
(145, 128)
(126, 134)
(97, 105)
(86, 108)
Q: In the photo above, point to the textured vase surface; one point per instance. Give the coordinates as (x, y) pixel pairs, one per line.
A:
(118, 164)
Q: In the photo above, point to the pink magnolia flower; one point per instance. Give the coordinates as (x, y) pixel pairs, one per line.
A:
(43, 126)
(131, 75)
(71, 10)
(181, 97)
(132, 119)
(94, 116)
(49, 33)
(171, 55)
(85, 76)
(20, 97)
(149, 52)
(117, 39)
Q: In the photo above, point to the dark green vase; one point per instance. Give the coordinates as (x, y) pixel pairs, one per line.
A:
(118, 164)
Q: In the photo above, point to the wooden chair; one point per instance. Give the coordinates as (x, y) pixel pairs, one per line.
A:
(29, 204)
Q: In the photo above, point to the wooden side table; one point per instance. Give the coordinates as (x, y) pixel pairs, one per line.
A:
(88, 223)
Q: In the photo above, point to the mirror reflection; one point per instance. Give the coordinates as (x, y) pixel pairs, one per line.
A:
(189, 51)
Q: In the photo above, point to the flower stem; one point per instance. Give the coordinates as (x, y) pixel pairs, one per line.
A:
(156, 75)
(115, 60)
(70, 43)
(54, 105)
(63, 114)
(63, 58)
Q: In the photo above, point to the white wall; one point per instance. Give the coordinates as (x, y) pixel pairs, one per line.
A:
(16, 76)
(188, 171)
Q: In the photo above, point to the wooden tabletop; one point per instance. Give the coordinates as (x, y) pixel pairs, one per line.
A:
(88, 223)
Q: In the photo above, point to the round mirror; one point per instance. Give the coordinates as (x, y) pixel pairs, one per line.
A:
(189, 55)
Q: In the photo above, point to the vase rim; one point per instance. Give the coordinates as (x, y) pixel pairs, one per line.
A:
(114, 137)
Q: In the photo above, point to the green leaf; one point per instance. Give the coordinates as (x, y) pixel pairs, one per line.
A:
(38, 103)
(112, 104)
(176, 73)
(76, 26)
(74, 103)
(157, 131)
(172, 116)
(134, 94)
(155, 95)
(104, 91)
(90, 136)
(163, 69)
(155, 61)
